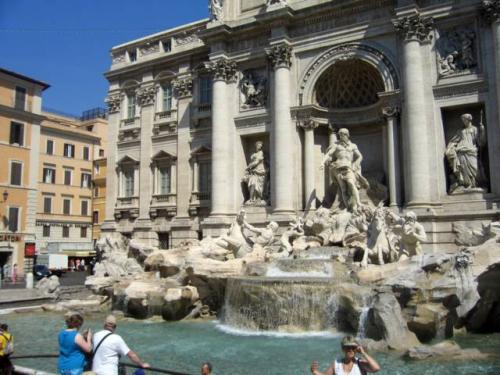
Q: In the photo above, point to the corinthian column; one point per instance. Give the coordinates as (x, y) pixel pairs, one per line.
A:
(114, 102)
(222, 139)
(490, 10)
(415, 31)
(281, 136)
(309, 172)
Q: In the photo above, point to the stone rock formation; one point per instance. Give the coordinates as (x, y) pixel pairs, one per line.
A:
(49, 286)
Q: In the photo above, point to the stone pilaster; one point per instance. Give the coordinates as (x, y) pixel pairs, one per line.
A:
(490, 10)
(282, 192)
(309, 166)
(114, 104)
(415, 30)
(183, 93)
(391, 114)
(222, 200)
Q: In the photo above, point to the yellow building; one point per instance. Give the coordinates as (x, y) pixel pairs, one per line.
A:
(99, 197)
(68, 147)
(20, 118)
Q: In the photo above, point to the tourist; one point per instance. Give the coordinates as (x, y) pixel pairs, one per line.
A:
(350, 364)
(73, 346)
(206, 368)
(109, 348)
(6, 350)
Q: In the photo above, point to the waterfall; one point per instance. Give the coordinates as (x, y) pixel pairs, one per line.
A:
(363, 318)
(286, 305)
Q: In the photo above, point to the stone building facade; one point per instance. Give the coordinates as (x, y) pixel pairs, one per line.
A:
(193, 111)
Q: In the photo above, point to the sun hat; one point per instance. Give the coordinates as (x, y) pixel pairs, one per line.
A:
(349, 341)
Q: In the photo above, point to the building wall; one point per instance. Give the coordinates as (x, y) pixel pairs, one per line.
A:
(99, 196)
(23, 196)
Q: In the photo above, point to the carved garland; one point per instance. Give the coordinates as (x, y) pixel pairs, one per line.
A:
(222, 70)
(415, 27)
(280, 56)
(490, 10)
(114, 103)
(183, 87)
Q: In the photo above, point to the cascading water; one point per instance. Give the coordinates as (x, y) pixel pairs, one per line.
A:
(363, 318)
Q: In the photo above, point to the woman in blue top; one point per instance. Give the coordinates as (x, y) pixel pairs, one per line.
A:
(73, 346)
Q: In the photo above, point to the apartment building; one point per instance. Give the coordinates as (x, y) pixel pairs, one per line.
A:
(68, 147)
(20, 118)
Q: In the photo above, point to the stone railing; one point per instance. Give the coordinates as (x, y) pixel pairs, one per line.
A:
(127, 202)
(202, 108)
(164, 199)
(165, 115)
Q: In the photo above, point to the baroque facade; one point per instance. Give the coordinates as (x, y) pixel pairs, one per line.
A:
(239, 110)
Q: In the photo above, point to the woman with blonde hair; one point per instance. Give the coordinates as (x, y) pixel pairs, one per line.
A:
(350, 364)
(73, 346)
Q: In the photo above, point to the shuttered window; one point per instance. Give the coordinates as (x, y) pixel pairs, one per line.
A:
(67, 206)
(50, 147)
(47, 205)
(13, 219)
(46, 231)
(16, 133)
(16, 172)
(20, 101)
(65, 231)
(85, 208)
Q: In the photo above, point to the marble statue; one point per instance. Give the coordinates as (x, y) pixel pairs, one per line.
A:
(234, 239)
(411, 234)
(378, 244)
(265, 236)
(344, 160)
(216, 10)
(463, 152)
(255, 176)
(253, 90)
(457, 51)
(295, 230)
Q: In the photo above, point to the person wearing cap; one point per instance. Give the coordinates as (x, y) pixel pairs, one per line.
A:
(109, 347)
(350, 364)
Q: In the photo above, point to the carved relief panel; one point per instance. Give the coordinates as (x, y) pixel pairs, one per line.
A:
(457, 51)
(253, 89)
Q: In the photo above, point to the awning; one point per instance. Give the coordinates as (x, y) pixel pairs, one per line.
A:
(76, 253)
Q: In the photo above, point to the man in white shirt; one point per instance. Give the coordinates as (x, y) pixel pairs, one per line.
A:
(107, 354)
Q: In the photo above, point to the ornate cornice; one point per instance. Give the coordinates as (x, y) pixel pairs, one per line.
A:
(146, 95)
(390, 111)
(183, 87)
(280, 56)
(415, 27)
(113, 102)
(222, 69)
(490, 10)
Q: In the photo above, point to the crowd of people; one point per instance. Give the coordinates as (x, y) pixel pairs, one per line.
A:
(99, 353)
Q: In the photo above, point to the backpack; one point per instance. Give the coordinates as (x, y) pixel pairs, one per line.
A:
(9, 347)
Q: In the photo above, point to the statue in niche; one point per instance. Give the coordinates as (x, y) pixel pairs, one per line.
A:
(344, 161)
(411, 234)
(255, 176)
(216, 10)
(462, 153)
(457, 51)
(253, 90)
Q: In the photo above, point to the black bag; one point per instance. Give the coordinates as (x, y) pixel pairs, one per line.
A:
(89, 357)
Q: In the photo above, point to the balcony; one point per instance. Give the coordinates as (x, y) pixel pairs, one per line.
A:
(166, 116)
(204, 108)
(199, 200)
(127, 207)
(163, 205)
(127, 122)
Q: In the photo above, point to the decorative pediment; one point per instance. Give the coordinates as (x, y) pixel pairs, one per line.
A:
(127, 160)
(163, 155)
(203, 149)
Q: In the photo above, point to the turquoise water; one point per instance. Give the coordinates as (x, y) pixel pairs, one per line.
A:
(183, 346)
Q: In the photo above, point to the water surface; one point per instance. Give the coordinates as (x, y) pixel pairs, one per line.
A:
(183, 346)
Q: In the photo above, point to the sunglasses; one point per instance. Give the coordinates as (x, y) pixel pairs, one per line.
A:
(350, 347)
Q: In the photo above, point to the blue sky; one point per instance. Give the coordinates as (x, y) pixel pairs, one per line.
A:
(66, 43)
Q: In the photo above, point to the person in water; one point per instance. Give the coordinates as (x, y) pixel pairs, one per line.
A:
(350, 364)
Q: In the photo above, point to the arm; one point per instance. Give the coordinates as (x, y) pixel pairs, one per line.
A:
(357, 158)
(252, 228)
(368, 363)
(84, 343)
(135, 358)
(314, 370)
(258, 159)
(327, 159)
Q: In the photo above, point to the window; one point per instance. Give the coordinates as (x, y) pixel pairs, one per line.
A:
(90, 128)
(46, 230)
(130, 106)
(205, 90)
(167, 45)
(167, 97)
(96, 169)
(67, 206)
(85, 182)
(65, 231)
(85, 208)
(164, 180)
(205, 177)
(86, 153)
(16, 172)
(49, 175)
(163, 239)
(95, 217)
(47, 205)
(96, 191)
(16, 133)
(50, 147)
(132, 55)
(13, 219)
(67, 177)
(69, 150)
(101, 152)
(129, 183)
(83, 232)
(20, 98)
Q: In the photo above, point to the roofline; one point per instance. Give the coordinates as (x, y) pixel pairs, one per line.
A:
(25, 78)
(160, 33)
